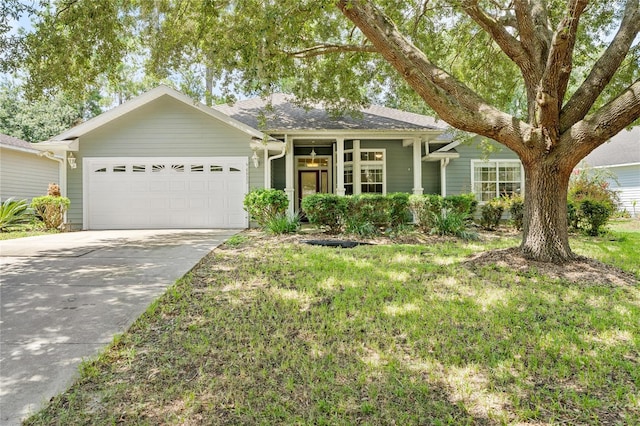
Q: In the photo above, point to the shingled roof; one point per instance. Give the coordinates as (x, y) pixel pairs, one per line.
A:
(623, 148)
(11, 142)
(287, 115)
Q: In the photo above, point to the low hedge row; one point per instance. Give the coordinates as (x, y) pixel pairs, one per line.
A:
(357, 214)
(368, 214)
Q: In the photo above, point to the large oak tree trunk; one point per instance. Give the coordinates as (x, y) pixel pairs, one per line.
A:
(546, 236)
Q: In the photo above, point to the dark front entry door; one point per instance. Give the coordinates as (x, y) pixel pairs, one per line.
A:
(309, 184)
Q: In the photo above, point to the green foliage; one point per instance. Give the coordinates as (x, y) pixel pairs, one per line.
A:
(325, 210)
(51, 209)
(515, 204)
(398, 209)
(590, 201)
(283, 223)
(593, 184)
(452, 222)
(35, 121)
(13, 213)
(264, 205)
(424, 208)
(491, 212)
(593, 215)
(463, 203)
(366, 214)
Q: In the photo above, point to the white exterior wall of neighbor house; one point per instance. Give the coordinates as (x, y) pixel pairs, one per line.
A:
(24, 175)
(163, 128)
(627, 183)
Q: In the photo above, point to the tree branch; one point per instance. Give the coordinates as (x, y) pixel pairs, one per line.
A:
(591, 132)
(454, 102)
(602, 72)
(557, 70)
(508, 43)
(323, 49)
(535, 31)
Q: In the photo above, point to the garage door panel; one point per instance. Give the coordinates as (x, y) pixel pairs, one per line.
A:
(139, 193)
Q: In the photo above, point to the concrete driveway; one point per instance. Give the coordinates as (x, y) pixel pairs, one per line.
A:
(64, 297)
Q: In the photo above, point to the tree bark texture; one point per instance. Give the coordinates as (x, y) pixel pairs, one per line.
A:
(545, 233)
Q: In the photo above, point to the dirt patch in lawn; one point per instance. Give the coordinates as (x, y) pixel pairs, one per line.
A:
(583, 270)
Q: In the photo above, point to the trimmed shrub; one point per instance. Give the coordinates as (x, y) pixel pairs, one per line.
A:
(423, 208)
(326, 210)
(51, 209)
(264, 205)
(463, 203)
(283, 224)
(366, 214)
(491, 212)
(590, 201)
(398, 209)
(594, 214)
(13, 213)
(515, 203)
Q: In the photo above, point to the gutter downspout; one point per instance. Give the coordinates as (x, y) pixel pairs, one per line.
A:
(267, 165)
(62, 173)
(443, 176)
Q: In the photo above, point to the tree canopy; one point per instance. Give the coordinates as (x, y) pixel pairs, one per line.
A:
(549, 79)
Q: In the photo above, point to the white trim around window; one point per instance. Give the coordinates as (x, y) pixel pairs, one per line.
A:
(365, 171)
(495, 178)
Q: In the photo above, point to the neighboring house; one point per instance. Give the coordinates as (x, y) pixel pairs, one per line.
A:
(24, 172)
(621, 155)
(162, 160)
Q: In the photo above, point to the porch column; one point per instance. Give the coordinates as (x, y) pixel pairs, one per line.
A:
(267, 168)
(443, 176)
(289, 175)
(357, 177)
(417, 167)
(340, 166)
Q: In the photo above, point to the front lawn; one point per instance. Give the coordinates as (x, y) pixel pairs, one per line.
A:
(273, 331)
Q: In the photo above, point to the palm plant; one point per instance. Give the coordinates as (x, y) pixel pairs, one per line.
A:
(13, 213)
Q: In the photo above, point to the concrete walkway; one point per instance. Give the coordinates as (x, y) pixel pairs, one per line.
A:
(64, 296)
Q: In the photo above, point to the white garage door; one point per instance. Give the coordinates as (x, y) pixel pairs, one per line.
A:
(147, 193)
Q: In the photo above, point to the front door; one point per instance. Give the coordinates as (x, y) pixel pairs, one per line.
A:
(312, 182)
(309, 184)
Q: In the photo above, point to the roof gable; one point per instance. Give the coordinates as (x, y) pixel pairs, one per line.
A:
(144, 99)
(285, 114)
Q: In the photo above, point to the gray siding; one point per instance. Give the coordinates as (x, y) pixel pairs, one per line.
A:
(628, 187)
(459, 169)
(24, 175)
(278, 173)
(163, 128)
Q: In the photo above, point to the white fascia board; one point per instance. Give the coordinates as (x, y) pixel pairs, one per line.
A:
(437, 156)
(275, 146)
(448, 147)
(610, 166)
(20, 149)
(145, 98)
(58, 146)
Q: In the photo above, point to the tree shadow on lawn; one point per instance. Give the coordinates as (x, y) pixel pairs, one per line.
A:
(284, 333)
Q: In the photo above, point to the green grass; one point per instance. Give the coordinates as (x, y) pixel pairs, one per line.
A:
(28, 230)
(274, 332)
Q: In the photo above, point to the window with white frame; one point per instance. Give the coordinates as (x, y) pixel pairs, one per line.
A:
(367, 174)
(498, 178)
